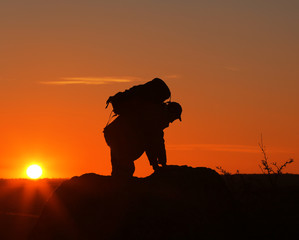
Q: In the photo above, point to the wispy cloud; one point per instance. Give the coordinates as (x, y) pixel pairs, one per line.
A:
(226, 148)
(214, 147)
(90, 80)
(232, 69)
(172, 76)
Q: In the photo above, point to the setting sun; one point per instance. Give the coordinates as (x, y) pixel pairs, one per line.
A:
(34, 171)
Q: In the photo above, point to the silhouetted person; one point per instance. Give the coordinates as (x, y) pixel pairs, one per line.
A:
(130, 135)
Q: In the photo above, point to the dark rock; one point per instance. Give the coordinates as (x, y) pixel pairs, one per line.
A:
(178, 202)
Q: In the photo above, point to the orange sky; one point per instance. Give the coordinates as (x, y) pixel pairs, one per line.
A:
(233, 65)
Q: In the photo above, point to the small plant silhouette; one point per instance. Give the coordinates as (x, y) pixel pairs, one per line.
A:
(271, 168)
(223, 171)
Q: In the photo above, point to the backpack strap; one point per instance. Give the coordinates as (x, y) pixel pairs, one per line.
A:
(110, 117)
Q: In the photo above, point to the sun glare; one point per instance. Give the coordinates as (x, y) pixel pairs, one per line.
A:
(34, 171)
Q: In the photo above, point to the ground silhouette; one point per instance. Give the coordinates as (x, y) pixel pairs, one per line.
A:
(177, 202)
(259, 209)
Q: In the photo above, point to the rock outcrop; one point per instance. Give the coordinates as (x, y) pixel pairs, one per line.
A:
(178, 202)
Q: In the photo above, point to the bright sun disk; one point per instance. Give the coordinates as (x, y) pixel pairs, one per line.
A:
(34, 171)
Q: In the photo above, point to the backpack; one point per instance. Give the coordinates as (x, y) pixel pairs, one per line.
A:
(132, 100)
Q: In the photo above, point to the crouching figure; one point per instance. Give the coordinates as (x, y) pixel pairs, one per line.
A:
(130, 135)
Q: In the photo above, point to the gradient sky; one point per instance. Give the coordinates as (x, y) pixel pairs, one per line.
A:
(233, 65)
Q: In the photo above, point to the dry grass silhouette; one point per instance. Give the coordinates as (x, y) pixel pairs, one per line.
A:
(222, 171)
(273, 169)
(267, 167)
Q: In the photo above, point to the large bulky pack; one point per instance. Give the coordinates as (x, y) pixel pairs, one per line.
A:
(131, 100)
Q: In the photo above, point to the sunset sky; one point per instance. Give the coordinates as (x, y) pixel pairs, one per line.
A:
(233, 66)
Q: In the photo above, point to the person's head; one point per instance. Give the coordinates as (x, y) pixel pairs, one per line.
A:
(174, 111)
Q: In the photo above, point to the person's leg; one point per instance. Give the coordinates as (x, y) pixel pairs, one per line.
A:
(114, 163)
(121, 167)
(131, 168)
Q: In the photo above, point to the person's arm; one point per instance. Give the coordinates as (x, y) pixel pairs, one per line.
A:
(155, 151)
(152, 157)
(162, 154)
